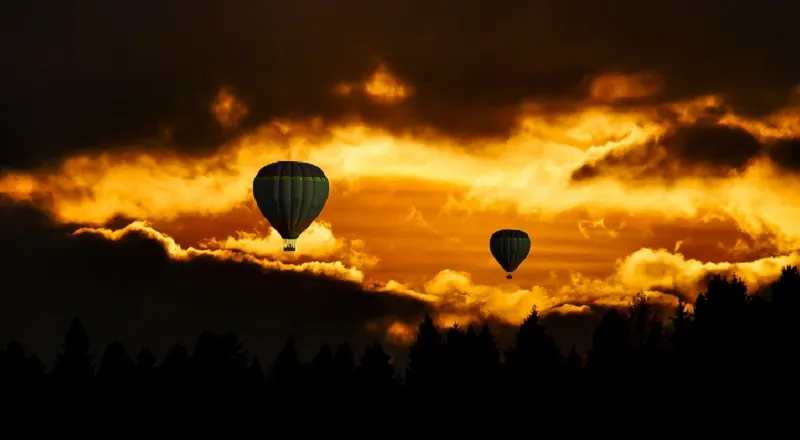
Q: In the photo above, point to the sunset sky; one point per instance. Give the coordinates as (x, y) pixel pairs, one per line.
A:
(641, 149)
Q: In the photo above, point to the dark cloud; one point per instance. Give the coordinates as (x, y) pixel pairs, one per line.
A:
(699, 149)
(728, 148)
(131, 290)
(92, 73)
(786, 154)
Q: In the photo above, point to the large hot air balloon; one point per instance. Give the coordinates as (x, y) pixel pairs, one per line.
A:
(290, 195)
(510, 247)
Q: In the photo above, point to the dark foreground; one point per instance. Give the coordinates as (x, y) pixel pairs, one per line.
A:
(732, 340)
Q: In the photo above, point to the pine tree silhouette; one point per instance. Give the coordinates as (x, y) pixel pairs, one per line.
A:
(784, 330)
(472, 358)
(176, 371)
(734, 340)
(487, 360)
(286, 372)
(145, 368)
(640, 316)
(73, 367)
(455, 361)
(219, 359)
(786, 290)
(681, 324)
(424, 369)
(321, 373)
(17, 370)
(255, 373)
(647, 339)
(177, 358)
(207, 360)
(116, 367)
(609, 357)
(535, 360)
(376, 372)
(574, 366)
(720, 326)
(145, 359)
(343, 366)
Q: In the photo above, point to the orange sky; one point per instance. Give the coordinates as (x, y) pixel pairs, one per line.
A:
(412, 215)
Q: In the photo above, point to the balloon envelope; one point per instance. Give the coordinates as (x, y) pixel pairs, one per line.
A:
(510, 247)
(290, 195)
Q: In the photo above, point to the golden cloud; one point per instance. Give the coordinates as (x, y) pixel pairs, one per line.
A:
(383, 182)
(663, 276)
(455, 298)
(317, 242)
(530, 170)
(648, 270)
(416, 218)
(382, 87)
(177, 252)
(593, 229)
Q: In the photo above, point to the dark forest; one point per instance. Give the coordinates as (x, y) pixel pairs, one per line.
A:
(729, 335)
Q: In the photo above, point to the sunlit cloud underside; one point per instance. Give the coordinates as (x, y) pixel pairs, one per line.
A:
(406, 200)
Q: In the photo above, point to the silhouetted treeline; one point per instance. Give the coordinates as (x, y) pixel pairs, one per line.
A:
(729, 336)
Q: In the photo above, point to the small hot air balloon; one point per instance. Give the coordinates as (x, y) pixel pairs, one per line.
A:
(510, 247)
(290, 195)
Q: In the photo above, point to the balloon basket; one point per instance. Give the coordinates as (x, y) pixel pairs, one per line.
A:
(508, 277)
(289, 245)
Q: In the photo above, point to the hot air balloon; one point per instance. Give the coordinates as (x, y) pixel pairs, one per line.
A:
(290, 195)
(510, 247)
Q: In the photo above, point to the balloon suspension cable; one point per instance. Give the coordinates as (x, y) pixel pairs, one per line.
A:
(508, 276)
(289, 244)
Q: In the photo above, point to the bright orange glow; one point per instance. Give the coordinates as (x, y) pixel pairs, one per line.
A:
(411, 215)
(401, 333)
(384, 86)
